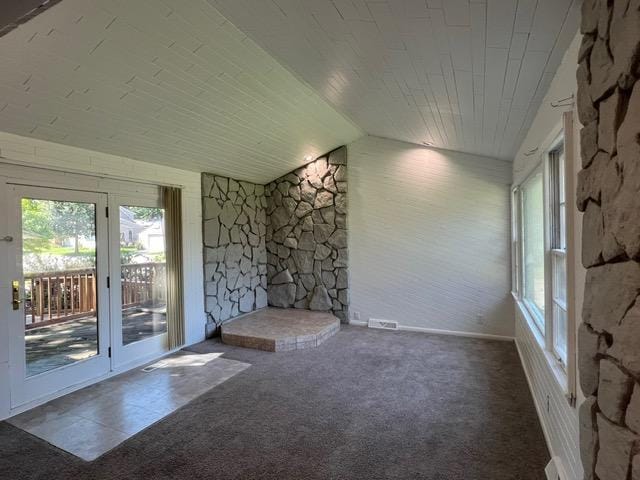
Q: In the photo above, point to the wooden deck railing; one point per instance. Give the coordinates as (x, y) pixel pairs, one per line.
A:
(53, 297)
(56, 296)
(143, 283)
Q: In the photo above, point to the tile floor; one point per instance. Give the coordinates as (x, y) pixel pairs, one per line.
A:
(280, 329)
(92, 421)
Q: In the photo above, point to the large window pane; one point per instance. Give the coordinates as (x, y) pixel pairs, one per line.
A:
(558, 252)
(533, 246)
(59, 269)
(515, 241)
(559, 279)
(560, 332)
(143, 273)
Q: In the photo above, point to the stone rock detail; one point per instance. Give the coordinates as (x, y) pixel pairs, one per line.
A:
(625, 340)
(608, 102)
(283, 295)
(592, 249)
(588, 437)
(614, 391)
(320, 299)
(235, 257)
(590, 345)
(282, 277)
(635, 468)
(306, 237)
(609, 121)
(610, 290)
(614, 452)
(632, 418)
(588, 142)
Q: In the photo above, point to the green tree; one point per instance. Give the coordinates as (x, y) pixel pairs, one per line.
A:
(147, 214)
(36, 225)
(35, 217)
(71, 219)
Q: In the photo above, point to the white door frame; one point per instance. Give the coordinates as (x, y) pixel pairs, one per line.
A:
(27, 389)
(149, 347)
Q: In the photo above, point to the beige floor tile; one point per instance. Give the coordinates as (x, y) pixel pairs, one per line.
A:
(92, 421)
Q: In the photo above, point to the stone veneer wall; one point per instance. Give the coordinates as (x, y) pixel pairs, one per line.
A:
(307, 237)
(235, 259)
(609, 195)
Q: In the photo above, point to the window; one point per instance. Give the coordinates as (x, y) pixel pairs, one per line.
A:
(532, 237)
(515, 246)
(539, 252)
(558, 252)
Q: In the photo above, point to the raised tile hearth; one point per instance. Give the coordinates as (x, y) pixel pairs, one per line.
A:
(280, 329)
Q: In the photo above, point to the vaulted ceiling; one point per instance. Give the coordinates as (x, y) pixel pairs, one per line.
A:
(250, 88)
(461, 74)
(164, 81)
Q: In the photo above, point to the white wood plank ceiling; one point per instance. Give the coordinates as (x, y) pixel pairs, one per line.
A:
(250, 88)
(165, 81)
(462, 74)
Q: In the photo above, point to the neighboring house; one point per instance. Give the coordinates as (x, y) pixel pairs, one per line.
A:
(130, 229)
(152, 237)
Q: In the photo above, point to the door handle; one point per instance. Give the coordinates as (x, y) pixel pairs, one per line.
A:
(15, 295)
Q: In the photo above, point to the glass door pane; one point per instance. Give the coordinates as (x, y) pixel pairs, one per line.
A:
(59, 273)
(142, 273)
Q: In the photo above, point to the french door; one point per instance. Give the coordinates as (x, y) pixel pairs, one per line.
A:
(87, 272)
(138, 263)
(59, 311)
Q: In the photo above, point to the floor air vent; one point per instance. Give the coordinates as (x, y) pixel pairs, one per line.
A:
(151, 368)
(384, 324)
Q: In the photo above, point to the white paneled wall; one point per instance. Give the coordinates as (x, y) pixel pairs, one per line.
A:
(38, 153)
(558, 419)
(429, 237)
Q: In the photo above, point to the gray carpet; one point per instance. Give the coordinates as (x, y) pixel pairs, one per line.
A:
(364, 405)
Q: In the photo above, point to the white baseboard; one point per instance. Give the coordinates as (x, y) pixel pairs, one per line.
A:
(437, 331)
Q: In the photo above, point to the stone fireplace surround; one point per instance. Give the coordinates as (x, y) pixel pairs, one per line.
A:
(283, 244)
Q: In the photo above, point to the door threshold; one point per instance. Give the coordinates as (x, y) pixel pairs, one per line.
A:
(61, 393)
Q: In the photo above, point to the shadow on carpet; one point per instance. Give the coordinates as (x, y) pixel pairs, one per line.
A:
(364, 405)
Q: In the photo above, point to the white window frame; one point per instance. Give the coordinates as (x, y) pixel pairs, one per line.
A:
(557, 251)
(515, 243)
(565, 371)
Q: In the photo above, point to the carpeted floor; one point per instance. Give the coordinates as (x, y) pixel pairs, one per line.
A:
(364, 405)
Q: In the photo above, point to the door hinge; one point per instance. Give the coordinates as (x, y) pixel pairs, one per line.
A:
(108, 282)
(109, 352)
(106, 211)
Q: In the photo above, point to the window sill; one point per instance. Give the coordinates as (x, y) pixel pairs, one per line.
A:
(555, 367)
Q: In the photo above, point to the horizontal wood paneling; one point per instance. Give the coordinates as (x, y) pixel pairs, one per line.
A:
(429, 237)
(559, 420)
